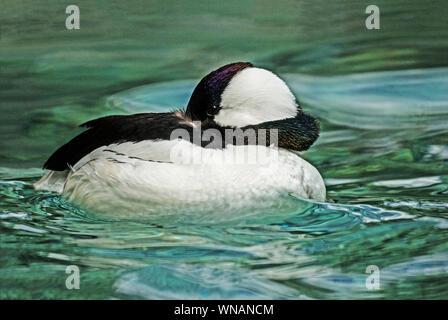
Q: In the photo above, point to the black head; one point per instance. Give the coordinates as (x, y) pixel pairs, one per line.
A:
(206, 98)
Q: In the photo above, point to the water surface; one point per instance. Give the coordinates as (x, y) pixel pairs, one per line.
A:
(382, 100)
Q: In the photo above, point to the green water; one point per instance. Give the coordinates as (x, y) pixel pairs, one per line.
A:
(381, 97)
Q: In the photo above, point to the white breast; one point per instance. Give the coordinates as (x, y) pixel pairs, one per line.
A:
(150, 176)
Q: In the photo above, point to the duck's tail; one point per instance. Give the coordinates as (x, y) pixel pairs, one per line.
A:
(52, 181)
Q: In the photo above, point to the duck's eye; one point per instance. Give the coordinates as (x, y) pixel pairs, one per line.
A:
(213, 111)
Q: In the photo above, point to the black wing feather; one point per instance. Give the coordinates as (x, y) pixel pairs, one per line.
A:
(113, 129)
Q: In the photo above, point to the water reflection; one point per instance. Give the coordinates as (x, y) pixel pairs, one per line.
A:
(381, 97)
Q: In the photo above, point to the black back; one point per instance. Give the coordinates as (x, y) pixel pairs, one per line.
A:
(297, 134)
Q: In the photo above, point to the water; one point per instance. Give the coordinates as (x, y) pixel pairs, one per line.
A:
(381, 96)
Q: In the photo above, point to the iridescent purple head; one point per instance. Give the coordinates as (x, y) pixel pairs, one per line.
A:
(205, 102)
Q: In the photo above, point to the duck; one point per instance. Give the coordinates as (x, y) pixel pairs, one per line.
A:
(238, 141)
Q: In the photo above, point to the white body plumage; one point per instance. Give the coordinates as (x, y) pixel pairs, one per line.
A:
(134, 177)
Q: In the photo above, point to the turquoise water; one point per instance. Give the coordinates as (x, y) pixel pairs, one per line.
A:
(381, 97)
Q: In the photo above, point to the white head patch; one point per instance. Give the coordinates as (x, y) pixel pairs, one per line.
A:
(253, 96)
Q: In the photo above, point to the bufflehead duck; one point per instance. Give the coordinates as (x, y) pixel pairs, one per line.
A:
(149, 161)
